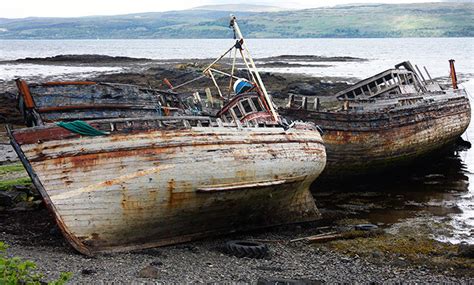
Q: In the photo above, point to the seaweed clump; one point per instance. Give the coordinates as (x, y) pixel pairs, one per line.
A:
(409, 246)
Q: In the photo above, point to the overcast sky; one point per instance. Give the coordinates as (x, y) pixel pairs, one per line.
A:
(75, 8)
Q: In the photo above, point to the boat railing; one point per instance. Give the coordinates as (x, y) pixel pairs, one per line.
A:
(303, 102)
(403, 79)
(174, 122)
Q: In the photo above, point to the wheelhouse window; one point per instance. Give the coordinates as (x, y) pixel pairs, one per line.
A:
(246, 106)
(228, 117)
(237, 112)
(257, 105)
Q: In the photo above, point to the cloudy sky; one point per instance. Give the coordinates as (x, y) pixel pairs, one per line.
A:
(74, 8)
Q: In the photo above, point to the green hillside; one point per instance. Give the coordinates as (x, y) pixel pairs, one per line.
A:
(375, 20)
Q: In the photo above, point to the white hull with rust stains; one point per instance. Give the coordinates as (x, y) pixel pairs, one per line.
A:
(144, 189)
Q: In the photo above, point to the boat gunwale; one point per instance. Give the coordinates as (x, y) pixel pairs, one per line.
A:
(391, 115)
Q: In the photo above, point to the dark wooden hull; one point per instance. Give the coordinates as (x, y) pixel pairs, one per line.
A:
(84, 100)
(360, 143)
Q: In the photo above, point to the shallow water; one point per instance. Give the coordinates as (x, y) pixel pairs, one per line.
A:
(382, 53)
(439, 192)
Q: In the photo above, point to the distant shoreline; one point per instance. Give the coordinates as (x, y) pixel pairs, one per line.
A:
(225, 38)
(424, 20)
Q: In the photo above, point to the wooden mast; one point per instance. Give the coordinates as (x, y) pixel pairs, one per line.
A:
(253, 69)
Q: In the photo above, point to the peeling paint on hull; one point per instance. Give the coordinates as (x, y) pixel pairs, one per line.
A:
(359, 143)
(140, 189)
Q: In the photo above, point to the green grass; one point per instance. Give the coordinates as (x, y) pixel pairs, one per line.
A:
(6, 185)
(17, 167)
(15, 270)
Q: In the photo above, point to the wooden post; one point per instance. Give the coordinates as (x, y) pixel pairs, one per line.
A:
(215, 83)
(429, 75)
(454, 78)
(421, 74)
(168, 83)
(209, 96)
(291, 100)
(197, 97)
(25, 93)
(304, 103)
(317, 104)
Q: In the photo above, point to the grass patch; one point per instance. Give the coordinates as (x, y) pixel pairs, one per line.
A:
(17, 167)
(6, 185)
(15, 270)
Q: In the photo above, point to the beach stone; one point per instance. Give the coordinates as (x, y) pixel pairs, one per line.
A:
(5, 199)
(25, 206)
(88, 271)
(9, 198)
(303, 88)
(377, 254)
(21, 188)
(156, 263)
(466, 250)
(281, 281)
(149, 272)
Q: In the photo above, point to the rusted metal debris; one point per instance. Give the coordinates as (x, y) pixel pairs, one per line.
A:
(384, 121)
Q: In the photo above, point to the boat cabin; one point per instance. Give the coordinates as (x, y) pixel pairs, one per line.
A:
(400, 80)
(243, 108)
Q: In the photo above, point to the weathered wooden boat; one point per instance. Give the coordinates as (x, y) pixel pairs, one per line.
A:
(386, 120)
(78, 100)
(159, 181)
(116, 184)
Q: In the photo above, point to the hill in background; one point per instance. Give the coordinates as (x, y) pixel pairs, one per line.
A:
(371, 20)
(241, 8)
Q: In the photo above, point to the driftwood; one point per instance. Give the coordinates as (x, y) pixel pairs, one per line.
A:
(317, 237)
(324, 237)
(268, 240)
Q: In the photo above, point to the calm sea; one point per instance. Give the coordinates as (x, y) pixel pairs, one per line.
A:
(433, 53)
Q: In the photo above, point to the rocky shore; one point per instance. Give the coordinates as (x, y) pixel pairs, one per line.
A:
(404, 248)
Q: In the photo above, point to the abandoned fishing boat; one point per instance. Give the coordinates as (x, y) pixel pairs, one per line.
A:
(116, 184)
(85, 100)
(386, 120)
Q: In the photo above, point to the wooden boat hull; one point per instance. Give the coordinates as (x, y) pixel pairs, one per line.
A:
(362, 143)
(85, 100)
(144, 188)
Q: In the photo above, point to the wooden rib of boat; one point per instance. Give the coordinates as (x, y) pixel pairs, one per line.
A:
(153, 182)
(385, 121)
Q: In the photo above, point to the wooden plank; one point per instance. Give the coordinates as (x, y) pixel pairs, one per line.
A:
(243, 186)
